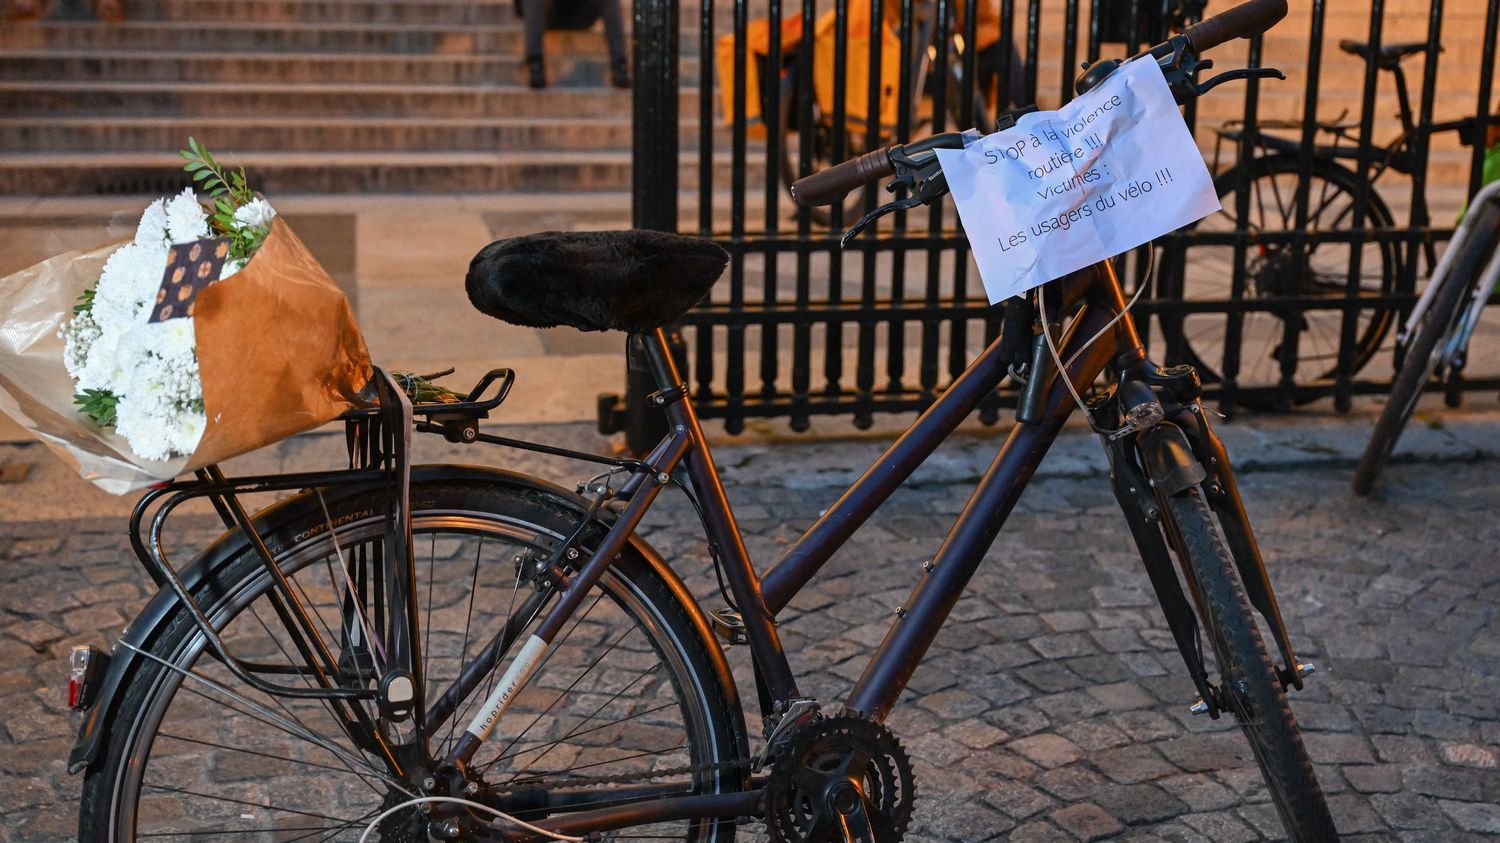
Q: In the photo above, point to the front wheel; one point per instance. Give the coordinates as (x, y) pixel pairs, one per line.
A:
(631, 699)
(1248, 683)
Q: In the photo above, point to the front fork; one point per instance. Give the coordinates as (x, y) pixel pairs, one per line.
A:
(1175, 451)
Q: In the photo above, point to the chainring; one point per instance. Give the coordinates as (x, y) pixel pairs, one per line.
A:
(837, 747)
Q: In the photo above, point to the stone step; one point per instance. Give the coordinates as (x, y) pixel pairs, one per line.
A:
(410, 12)
(236, 36)
(107, 98)
(564, 68)
(51, 174)
(273, 132)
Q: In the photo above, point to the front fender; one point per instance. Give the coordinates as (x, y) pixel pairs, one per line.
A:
(148, 626)
(1169, 461)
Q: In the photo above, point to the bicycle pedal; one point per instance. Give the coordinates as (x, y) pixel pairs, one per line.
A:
(729, 625)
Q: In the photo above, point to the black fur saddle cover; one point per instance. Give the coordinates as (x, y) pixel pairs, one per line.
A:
(632, 281)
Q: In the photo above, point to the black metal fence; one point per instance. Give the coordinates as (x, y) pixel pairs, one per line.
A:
(1293, 293)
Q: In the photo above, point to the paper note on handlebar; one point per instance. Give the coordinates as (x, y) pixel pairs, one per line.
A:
(1064, 189)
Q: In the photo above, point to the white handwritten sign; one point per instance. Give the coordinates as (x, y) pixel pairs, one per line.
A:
(1063, 189)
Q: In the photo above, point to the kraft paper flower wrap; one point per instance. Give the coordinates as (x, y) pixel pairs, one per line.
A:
(278, 350)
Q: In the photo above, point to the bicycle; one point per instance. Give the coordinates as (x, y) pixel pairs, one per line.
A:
(1284, 342)
(811, 138)
(332, 672)
(1435, 338)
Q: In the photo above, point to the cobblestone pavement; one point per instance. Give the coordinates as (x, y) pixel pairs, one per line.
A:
(1053, 706)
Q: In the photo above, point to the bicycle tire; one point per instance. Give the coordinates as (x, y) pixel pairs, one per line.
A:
(449, 515)
(1251, 689)
(1261, 342)
(1439, 320)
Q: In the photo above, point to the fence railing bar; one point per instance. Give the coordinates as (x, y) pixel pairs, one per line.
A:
(1361, 200)
(771, 92)
(1483, 107)
(1033, 47)
(734, 375)
(895, 358)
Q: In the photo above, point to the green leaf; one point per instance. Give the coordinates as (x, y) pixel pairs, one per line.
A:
(99, 405)
(85, 302)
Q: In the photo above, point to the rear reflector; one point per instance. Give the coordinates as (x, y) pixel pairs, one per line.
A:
(86, 666)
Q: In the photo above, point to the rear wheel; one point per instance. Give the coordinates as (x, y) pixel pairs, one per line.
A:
(1425, 354)
(629, 697)
(1283, 338)
(1250, 688)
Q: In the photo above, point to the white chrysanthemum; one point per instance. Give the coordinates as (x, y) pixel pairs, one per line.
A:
(127, 288)
(257, 213)
(186, 220)
(230, 268)
(186, 434)
(103, 369)
(159, 413)
(153, 228)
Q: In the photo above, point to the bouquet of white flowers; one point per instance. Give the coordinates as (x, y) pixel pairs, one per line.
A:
(161, 351)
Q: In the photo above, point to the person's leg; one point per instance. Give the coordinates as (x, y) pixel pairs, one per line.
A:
(535, 14)
(614, 37)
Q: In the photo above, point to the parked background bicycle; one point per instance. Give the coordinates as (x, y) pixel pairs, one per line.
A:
(1435, 338)
(1289, 342)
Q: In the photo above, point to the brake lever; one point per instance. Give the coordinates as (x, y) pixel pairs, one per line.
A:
(1242, 73)
(888, 208)
(926, 183)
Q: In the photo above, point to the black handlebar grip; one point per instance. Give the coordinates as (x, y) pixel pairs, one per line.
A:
(826, 187)
(1243, 21)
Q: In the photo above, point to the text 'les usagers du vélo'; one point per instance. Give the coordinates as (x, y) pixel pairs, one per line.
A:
(1064, 189)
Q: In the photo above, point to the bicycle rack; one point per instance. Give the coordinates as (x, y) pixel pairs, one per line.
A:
(378, 441)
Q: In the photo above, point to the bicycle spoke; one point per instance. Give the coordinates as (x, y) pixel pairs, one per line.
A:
(221, 832)
(553, 649)
(536, 746)
(262, 714)
(240, 749)
(232, 801)
(601, 707)
(543, 776)
(327, 705)
(463, 650)
(329, 833)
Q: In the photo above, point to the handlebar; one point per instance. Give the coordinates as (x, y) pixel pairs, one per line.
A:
(1243, 21)
(826, 187)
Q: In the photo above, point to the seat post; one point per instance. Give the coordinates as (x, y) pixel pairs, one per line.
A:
(660, 359)
(1403, 100)
(648, 365)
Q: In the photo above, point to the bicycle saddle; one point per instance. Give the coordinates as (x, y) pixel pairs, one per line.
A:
(633, 281)
(1390, 54)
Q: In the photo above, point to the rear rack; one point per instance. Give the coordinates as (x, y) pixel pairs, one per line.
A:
(378, 441)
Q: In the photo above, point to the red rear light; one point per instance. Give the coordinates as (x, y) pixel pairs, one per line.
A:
(85, 668)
